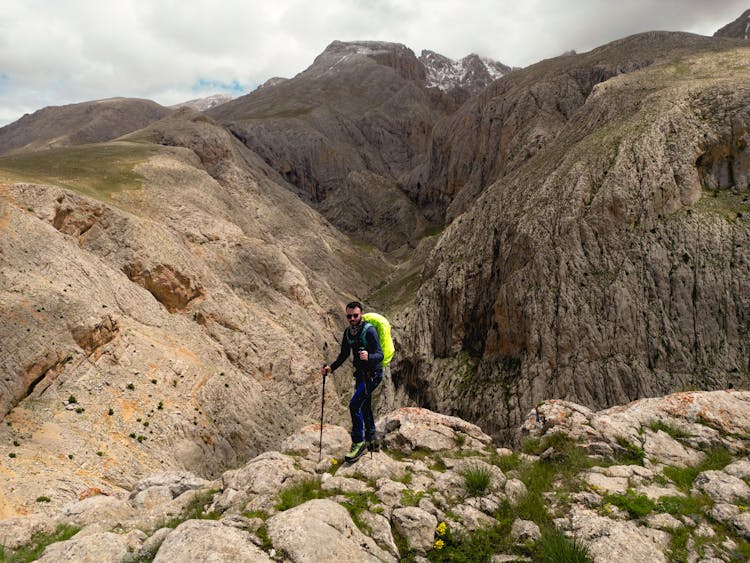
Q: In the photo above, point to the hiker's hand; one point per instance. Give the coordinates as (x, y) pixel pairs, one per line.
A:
(363, 355)
(325, 369)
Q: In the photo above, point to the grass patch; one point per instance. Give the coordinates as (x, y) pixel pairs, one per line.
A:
(716, 458)
(555, 547)
(411, 498)
(33, 550)
(96, 170)
(478, 546)
(194, 510)
(675, 433)
(629, 454)
(356, 504)
(476, 480)
(637, 505)
(299, 493)
(690, 505)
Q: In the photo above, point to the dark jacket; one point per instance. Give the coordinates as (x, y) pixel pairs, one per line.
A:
(374, 351)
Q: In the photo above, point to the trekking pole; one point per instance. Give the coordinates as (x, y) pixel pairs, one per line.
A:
(322, 405)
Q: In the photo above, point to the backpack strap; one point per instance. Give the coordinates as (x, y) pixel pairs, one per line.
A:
(363, 333)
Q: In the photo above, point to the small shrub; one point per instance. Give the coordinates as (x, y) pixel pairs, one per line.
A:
(16, 443)
(476, 480)
(12, 455)
(130, 386)
(154, 381)
(100, 453)
(160, 406)
(110, 412)
(72, 400)
(555, 547)
(43, 499)
(79, 410)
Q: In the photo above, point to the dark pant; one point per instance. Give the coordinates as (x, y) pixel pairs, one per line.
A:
(360, 406)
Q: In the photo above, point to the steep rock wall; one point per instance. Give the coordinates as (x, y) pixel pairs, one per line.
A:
(612, 266)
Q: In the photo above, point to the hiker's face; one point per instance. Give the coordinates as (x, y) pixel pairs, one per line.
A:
(354, 316)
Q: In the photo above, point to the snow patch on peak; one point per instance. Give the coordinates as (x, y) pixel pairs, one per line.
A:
(471, 73)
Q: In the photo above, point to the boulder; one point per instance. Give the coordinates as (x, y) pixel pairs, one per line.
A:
(409, 428)
(322, 530)
(102, 547)
(207, 541)
(416, 526)
(722, 487)
(524, 531)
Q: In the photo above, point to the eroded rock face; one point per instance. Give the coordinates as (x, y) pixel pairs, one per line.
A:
(609, 266)
(168, 327)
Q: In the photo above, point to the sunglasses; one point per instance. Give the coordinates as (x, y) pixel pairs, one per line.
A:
(354, 316)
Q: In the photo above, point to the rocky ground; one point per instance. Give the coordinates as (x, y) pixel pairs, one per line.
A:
(663, 479)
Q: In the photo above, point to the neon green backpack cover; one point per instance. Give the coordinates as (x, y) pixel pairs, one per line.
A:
(383, 327)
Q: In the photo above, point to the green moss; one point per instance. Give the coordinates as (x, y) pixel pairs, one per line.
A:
(675, 433)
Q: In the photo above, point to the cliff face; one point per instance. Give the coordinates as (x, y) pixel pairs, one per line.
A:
(610, 265)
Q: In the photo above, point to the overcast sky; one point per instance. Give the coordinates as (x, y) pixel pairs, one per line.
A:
(55, 52)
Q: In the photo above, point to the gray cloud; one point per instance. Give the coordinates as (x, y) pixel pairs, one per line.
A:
(66, 51)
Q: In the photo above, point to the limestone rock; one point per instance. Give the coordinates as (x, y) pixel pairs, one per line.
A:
(721, 487)
(410, 428)
(97, 510)
(417, 526)
(208, 540)
(103, 547)
(306, 442)
(322, 530)
(525, 530)
(515, 490)
(15, 532)
(176, 482)
(610, 540)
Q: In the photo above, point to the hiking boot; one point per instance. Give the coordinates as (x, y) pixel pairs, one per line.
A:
(373, 446)
(357, 450)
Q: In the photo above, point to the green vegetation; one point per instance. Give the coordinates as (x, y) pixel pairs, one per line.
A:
(95, 170)
(727, 203)
(675, 433)
(33, 550)
(300, 492)
(476, 480)
(637, 505)
(43, 499)
(555, 547)
(683, 477)
(630, 453)
(194, 510)
(356, 504)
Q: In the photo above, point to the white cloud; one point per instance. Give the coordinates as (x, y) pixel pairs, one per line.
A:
(55, 52)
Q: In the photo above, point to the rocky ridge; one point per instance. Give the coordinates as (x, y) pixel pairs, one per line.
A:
(663, 479)
(77, 124)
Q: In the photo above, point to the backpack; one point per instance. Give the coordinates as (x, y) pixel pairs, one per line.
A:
(383, 327)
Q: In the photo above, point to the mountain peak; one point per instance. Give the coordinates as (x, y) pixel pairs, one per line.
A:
(471, 73)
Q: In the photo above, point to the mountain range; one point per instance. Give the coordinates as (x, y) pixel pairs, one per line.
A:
(172, 279)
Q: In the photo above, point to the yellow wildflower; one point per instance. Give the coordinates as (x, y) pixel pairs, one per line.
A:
(333, 461)
(439, 544)
(441, 528)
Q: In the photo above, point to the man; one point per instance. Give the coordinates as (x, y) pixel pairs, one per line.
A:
(361, 339)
